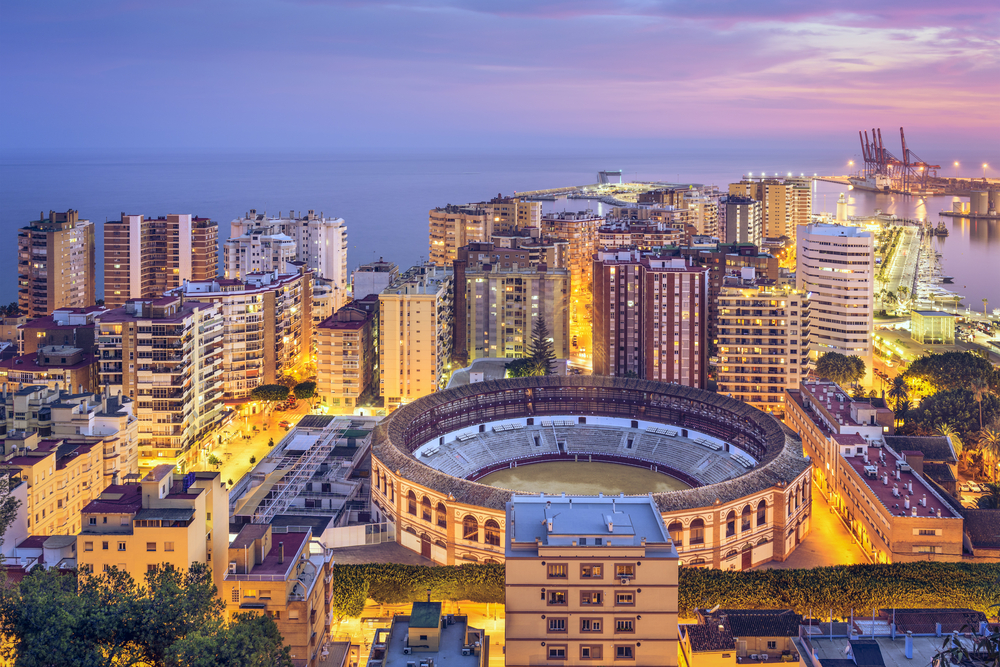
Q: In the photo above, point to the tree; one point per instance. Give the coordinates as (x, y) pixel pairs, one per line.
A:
(948, 370)
(990, 500)
(250, 639)
(984, 650)
(989, 443)
(948, 431)
(956, 407)
(213, 460)
(902, 410)
(253, 459)
(269, 393)
(8, 507)
(840, 368)
(540, 350)
(898, 391)
(305, 390)
(520, 368)
(979, 388)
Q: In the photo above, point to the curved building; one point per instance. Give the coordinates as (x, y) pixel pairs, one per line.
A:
(749, 500)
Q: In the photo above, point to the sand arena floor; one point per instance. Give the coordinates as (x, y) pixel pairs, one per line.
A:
(582, 478)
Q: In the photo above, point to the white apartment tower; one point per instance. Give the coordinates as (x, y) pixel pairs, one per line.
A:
(836, 268)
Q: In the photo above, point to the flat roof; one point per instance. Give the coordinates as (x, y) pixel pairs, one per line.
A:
(933, 313)
(892, 652)
(896, 504)
(425, 614)
(826, 229)
(449, 653)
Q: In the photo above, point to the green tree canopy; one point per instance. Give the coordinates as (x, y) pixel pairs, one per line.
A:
(949, 370)
(840, 368)
(304, 390)
(541, 350)
(269, 393)
(108, 619)
(956, 407)
(520, 368)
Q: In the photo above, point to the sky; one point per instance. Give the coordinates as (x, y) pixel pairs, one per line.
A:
(377, 75)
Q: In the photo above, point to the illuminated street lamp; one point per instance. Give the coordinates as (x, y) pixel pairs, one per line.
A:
(956, 169)
(984, 170)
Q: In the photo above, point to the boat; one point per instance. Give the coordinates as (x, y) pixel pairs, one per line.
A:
(947, 279)
(940, 230)
(873, 183)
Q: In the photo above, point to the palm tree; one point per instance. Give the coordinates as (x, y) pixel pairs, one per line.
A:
(991, 499)
(989, 442)
(901, 409)
(948, 431)
(985, 301)
(980, 387)
(898, 391)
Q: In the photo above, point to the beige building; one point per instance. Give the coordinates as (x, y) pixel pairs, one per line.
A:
(762, 340)
(287, 575)
(430, 637)
(510, 214)
(267, 326)
(452, 227)
(619, 233)
(932, 327)
(166, 518)
(728, 637)
(166, 355)
(72, 327)
(347, 355)
(786, 203)
(55, 264)
(650, 318)
(145, 257)
(416, 321)
(54, 366)
(744, 221)
(580, 230)
(372, 278)
(607, 571)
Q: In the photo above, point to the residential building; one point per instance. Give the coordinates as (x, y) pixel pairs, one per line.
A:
(373, 278)
(54, 366)
(72, 327)
(617, 233)
(267, 326)
(509, 214)
(836, 267)
(416, 321)
(452, 227)
(257, 252)
(55, 264)
(285, 574)
(740, 636)
(73, 418)
(500, 294)
(427, 635)
(320, 243)
(529, 248)
(932, 327)
(166, 518)
(786, 203)
(607, 570)
(580, 230)
(744, 222)
(932, 456)
(650, 318)
(762, 340)
(166, 355)
(323, 298)
(703, 207)
(145, 257)
(347, 355)
(8, 329)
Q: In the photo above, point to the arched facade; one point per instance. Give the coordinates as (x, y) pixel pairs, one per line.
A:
(767, 507)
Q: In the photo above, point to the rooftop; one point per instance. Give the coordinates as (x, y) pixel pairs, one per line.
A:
(291, 543)
(826, 229)
(116, 499)
(389, 643)
(884, 475)
(873, 652)
(934, 448)
(763, 622)
(425, 614)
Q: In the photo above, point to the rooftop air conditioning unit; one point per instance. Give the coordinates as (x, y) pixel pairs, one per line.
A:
(624, 581)
(232, 567)
(467, 650)
(406, 650)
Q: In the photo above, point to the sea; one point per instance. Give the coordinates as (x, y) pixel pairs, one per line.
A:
(384, 197)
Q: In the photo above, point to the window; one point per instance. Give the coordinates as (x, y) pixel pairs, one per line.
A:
(558, 571)
(470, 528)
(492, 533)
(745, 519)
(150, 546)
(250, 593)
(121, 546)
(624, 570)
(104, 545)
(731, 523)
(624, 652)
(126, 521)
(761, 514)
(425, 509)
(590, 652)
(88, 546)
(772, 645)
(168, 546)
(676, 531)
(590, 625)
(236, 595)
(625, 598)
(927, 531)
(411, 503)
(591, 571)
(557, 625)
(590, 597)
(624, 625)
(698, 531)
(557, 597)
(150, 567)
(442, 516)
(93, 521)
(557, 653)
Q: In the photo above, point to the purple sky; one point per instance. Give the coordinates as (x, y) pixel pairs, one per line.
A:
(370, 74)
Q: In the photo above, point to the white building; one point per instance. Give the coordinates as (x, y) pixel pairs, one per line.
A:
(320, 243)
(257, 253)
(835, 266)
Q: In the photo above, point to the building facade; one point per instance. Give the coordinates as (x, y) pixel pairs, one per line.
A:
(145, 257)
(347, 355)
(762, 340)
(72, 327)
(932, 327)
(580, 230)
(416, 323)
(452, 227)
(786, 203)
(55, 264)
(256, 252)
(267, 326)
(166, 355)
(372, 278)
(650, 318)
(744, 221)
(836, 267)
(607, 571)
(54, 366)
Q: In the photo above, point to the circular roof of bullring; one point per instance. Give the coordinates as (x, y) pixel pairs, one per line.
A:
(777, 449)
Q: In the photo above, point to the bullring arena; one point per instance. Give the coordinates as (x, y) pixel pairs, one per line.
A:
(743, 493)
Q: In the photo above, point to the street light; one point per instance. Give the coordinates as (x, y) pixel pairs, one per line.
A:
(984, 170)
(956, 169)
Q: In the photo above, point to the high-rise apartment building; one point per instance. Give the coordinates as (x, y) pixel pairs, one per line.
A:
(650, 318)
(256, 252)
(786, 203)
(347, 354)
(54, 366)
(744, 222)
(166, 355)
(416, 320)
(165, 518)
(500, 295)
(607, 571)
(320, 245)
(452, 227)
(145, 257)
(836, 267)
(762, 340)
(510, 214)
(373, 278)
(645, 235)
(55, 264)
(580, 230)
(267, 330)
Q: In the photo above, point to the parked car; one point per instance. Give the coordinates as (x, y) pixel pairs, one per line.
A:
(965, 488)
(975, 488)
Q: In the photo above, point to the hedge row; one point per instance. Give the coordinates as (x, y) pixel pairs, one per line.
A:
(840, 588)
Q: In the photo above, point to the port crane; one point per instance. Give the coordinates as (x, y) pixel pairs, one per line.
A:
(905, 173)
